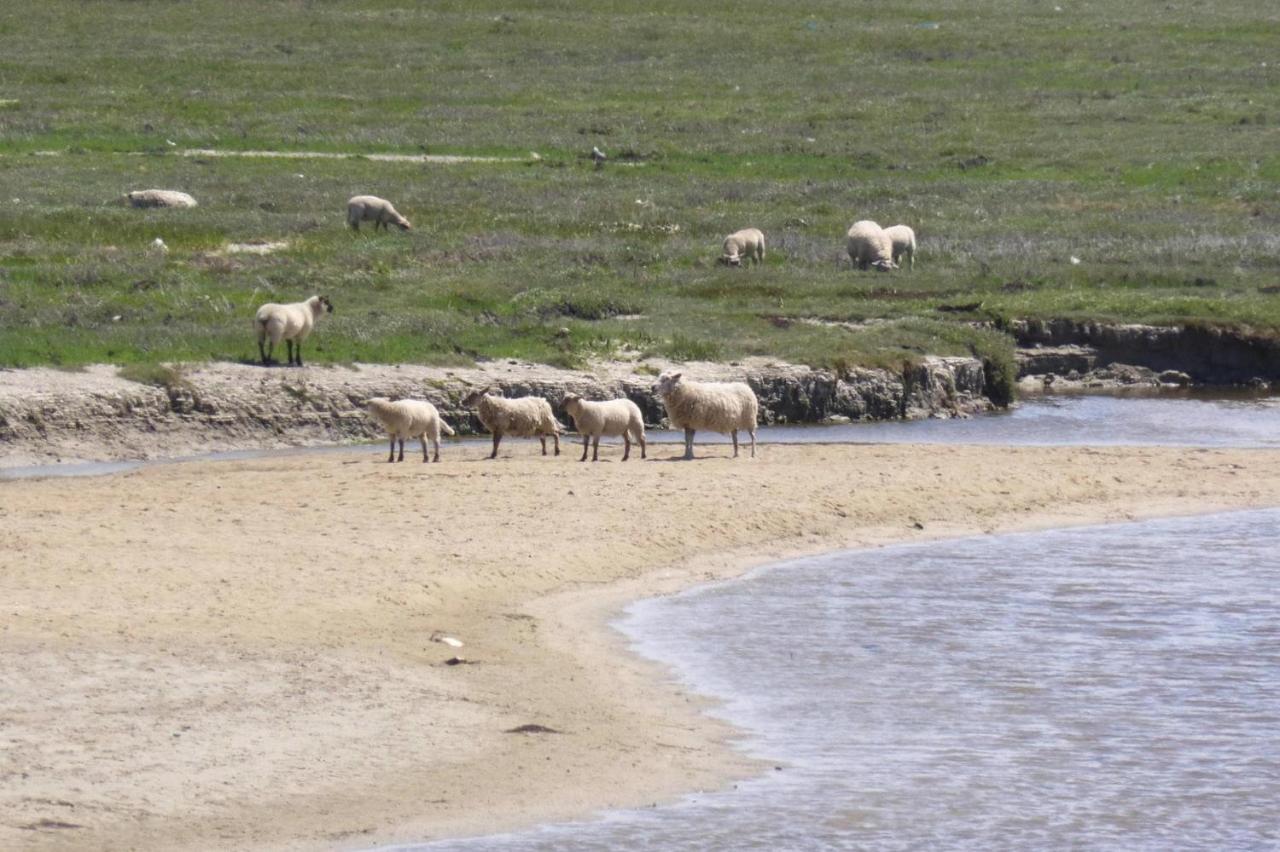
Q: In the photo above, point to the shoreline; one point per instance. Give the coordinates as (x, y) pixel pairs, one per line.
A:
(317, 711)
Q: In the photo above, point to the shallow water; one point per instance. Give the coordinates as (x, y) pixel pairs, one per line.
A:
(1186, 421)
(1105, 688)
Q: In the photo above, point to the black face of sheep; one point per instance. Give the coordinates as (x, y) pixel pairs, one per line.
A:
(725, 260)
(328, 306)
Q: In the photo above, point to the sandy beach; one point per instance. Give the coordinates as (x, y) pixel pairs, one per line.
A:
(245, 654)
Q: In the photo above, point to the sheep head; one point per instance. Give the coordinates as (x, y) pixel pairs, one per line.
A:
(884, 265)
(326, 304)
(730, 260)
(666, 383)
(403, 224)
(571, 403)
(472, 398)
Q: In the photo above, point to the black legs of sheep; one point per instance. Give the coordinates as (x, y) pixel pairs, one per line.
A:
(594, 443)
(543, 439)
(293, 350)
(426, 455)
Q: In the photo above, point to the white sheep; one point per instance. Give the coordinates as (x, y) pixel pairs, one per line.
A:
(523, 417)
(159, 198)
(612, 418)
(904, 243)
(869, 246)
(723, 407)
(409, 418)
(290, 323)
(749, 243)
(379, 211)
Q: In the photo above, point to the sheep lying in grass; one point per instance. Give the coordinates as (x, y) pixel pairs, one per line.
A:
(379, 211)
(159, 198)
(869, 246)
(903, 240)
(409, 418)
(522, 418)
(723, 407)
(290, 323)
(749, 243)
(612, 418)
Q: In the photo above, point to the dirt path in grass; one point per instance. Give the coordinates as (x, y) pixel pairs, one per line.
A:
(245, 655)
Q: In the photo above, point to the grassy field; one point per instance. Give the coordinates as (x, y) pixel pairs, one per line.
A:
(1139, 139)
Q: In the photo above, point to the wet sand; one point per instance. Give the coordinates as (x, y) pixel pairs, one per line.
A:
(240, 655)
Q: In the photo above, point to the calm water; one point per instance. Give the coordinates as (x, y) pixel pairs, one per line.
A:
(1099, 688)
(1059, 420)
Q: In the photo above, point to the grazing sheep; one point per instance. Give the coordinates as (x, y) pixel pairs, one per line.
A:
(290, 323)
(612, 418)
(523, 417)
(723, 407)
(869, 246)
(159, 198)
(379, 211)
(409, 418)
(904, 243)
(748, 242)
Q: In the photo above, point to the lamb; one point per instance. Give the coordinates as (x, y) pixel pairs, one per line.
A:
(748, 242)
(409, 418)
(159, 198)
(379, 211)
(523, 417)
(290, 323)
(904, 243)
(869, 246)
(612, 418)
(723, 407)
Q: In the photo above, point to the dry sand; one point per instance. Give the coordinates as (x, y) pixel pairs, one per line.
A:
(239, 655)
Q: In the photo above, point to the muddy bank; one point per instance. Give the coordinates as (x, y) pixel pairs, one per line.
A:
(95, 415)
(1107, 355)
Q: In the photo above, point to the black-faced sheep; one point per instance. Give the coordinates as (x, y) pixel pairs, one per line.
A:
(379, 211)
(291, 323)
(904, 243)
(612, 418)
(409, 418)
(748, 243)
(723, 407)
(524, 417)
(869, 246)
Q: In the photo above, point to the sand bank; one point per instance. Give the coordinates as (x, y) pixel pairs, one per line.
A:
(241, 655)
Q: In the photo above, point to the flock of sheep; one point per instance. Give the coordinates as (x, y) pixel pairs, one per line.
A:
(725, 407)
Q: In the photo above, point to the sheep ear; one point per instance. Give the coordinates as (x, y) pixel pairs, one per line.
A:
(676, 376)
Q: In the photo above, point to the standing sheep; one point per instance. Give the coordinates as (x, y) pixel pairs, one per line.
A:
(723, 407)
(869, 246)
(748, 242)
(904, 243)
(409, 418)
(522, 418)
(379, 211)
(159, 198)
(612, 418)
(290, 323)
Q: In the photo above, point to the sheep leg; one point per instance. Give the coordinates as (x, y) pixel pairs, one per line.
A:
(435, 445)
(595, 448)
(543, 440)
(297, 352)
(497, 436)
(626, 446)
(586, 440)
(640, 438)
(753, 443)
(401, 450)
(391, 456)
(423, 439)
(555, 436)
(734, 433)
(688, 444)
(263, 352)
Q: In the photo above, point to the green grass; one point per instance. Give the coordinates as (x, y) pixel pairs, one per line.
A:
(1012, 137)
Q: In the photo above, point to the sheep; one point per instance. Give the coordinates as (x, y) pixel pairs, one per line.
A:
(904, 243)
(290, 323)
(615, 417)
(523, 417)
(868, 246)
(748, 242)
(159, 198)
(723, 407)
(371, 208)
(409, 418)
